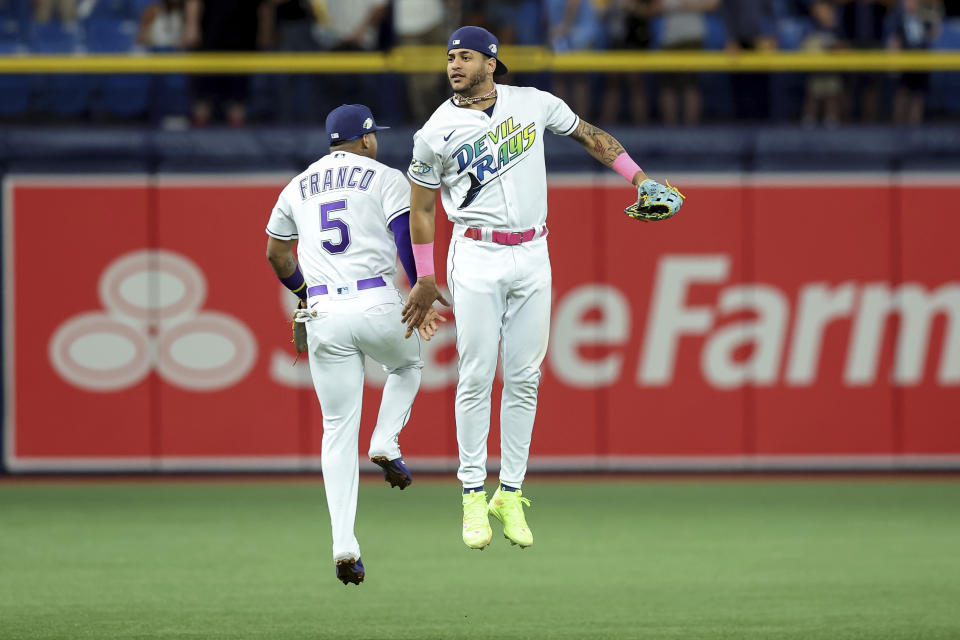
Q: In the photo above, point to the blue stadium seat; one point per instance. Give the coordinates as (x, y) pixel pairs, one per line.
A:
(125, 95)
(14, 88)
(716, 32)
(15, 9)
(171, 95)
(11, 32)
(109, 35)
(121, 95)
(944, 85)
(54, 37)
(65, 95)
(115, 10)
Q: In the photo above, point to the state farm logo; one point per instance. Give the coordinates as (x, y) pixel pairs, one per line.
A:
(152, 319)
(782, 331)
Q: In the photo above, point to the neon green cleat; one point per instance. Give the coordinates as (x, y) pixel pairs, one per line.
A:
(476, 523)
(507, 507)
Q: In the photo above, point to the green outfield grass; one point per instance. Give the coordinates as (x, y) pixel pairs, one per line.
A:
(748, 559)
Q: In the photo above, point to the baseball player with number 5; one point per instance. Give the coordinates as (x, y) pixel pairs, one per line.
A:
(483, 149)
(350, 215)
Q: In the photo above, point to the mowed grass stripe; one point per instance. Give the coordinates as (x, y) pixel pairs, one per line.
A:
(872, 560)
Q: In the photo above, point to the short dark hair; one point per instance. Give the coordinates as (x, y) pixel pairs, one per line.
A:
(337, 143)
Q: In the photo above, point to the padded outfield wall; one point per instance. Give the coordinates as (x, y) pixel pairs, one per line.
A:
(759, 329)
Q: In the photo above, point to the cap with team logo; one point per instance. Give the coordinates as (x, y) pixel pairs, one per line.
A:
(350, 122)
(478, 39)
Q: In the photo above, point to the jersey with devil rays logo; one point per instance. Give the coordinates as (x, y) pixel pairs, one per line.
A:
(490, 168)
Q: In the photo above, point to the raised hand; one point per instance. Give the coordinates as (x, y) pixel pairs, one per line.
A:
(428, 328)
(420, 302)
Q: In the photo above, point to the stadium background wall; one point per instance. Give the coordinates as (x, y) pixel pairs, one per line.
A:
(751, 332)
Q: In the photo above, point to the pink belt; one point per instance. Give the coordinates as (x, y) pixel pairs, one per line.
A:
(505, 237)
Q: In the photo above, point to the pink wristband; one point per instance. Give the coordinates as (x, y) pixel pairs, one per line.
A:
(423, 258)
(625, 166)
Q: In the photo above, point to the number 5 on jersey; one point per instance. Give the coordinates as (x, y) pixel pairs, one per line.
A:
(329, 223)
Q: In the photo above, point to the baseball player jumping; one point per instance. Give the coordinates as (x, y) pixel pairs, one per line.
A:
(484, 150)
(350, 214)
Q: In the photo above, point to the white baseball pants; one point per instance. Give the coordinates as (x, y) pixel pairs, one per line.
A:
(345, 330)
(501, 297)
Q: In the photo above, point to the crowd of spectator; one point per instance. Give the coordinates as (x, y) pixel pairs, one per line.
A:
(562, 25)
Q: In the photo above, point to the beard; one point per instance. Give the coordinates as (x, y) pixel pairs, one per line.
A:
(474, 80)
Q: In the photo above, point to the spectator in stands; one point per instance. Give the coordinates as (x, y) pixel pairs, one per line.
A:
(823, 89)
(222, 25)
(915, 24)
(861, 25)
(627, 25)
(684, 29)
(356, 23)
(161, 25)
(749, 26)
(421, 22)
(288, 25)
(43, 10)
(574, 25)
(514, 21)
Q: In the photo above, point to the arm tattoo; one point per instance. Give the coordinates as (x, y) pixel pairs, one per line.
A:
(601, 145)
(283, 265)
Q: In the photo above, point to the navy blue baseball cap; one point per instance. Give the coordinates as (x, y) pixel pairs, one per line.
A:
(350, 122)
(478, 39)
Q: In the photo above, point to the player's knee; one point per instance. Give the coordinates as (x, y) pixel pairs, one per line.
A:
(474, 387)
(525, 379)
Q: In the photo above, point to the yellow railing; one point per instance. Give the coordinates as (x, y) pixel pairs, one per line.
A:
(519, 59)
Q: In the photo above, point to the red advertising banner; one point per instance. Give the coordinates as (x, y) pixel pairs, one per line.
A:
(148, 332)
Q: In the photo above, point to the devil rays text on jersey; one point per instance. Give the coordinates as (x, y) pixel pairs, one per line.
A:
(485, 160)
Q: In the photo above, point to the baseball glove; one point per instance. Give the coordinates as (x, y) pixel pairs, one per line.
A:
(299, 331)
(655, 202)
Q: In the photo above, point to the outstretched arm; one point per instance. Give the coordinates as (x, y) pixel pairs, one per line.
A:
(605, 148)
(422, 228)
(654, 200)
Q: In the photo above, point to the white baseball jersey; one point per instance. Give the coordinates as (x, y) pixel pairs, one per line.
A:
(490, 169)
(340, 208)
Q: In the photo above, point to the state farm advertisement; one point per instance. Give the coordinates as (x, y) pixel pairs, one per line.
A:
(144, 329)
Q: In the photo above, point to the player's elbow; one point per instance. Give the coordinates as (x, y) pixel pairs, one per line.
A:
(279, 253)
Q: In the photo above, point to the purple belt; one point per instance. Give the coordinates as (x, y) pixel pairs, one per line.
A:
(368, 283)
(505, 237)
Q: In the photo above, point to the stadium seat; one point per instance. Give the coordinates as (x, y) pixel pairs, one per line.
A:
(944, 85)
(109, 35)
(15, 90)
(11, 31)
(125, 95)
(15, 9)
(115, 10)
(54, 37)
(121, 95)
(60, 94)
(716, 32)
(171, 96)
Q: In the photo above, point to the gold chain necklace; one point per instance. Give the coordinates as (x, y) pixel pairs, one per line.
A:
(460, 101)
